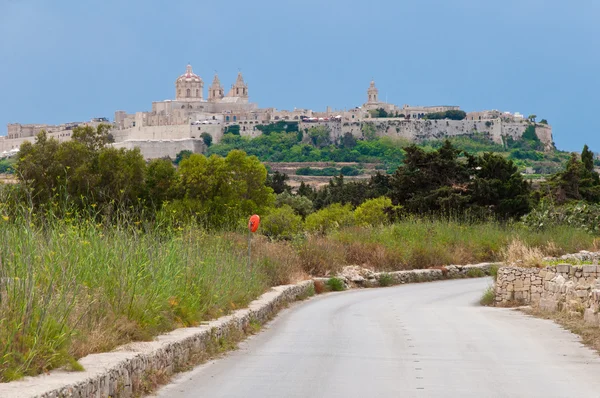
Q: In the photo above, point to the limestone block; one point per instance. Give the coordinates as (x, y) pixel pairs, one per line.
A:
(590, 316)
(582, 293)
(590, 269)
(510, 287)
(519, 284)
(563, 268)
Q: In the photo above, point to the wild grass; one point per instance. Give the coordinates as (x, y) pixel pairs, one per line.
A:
(70, 290)
(489, 297)
(74, 286)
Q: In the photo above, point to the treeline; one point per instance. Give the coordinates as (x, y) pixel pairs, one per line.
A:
(219, 191)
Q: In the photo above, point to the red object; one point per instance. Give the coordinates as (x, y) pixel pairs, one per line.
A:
(253, 223)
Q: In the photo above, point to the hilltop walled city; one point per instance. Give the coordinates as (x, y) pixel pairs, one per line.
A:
(175, 125)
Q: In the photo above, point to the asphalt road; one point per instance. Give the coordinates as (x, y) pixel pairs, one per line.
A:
(419, 340)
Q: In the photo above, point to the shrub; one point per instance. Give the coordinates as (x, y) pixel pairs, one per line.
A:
(302, 205)
(489, 297)
(385, 279)
(330, 219)
(335, 284)
(282, 223)
(373, 211)
(475, 273)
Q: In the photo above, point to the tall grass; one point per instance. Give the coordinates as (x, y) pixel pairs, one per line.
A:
(72, 286)
(70, 290)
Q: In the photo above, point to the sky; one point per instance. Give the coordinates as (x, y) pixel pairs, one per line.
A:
(72, 60)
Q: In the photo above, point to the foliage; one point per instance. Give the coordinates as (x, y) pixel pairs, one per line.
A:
(369, 131)
(182, 155)
(82, 169)
(379, 112)
(576, 182)
(277, 182)
(451, 114)
(330, 218)
(301, 204)
(489, 297)
(161, 181)
(280, 126)
(220, 190)
(335, 284)
(580, 215)
(207, 139)
(234, 129)
(282, 223)
(319, 136)
(328, 171)
(7, 166)
(373, 212)
(385, 279)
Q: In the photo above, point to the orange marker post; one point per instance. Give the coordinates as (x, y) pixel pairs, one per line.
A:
(253, 224)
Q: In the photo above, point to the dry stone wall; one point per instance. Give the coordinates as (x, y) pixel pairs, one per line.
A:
(565, 287)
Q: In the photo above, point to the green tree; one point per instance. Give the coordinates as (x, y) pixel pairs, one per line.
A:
(348, 141)
(93, 138)
(373, 212)
(369, 131)
(282, 223)
(532, 118)
(302, 205)
(278, 182)
(431, 181)
(576, 182)
(207, 139)
(543, 121)
(182, 155)
(319, 136)
(587, 157)
(497, 186)
(330, 218)
(161, 180)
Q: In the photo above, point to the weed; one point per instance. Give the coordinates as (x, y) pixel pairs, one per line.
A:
(475, 273)
(494, 271)
(489, 297)
(335, 284)
(385, 279)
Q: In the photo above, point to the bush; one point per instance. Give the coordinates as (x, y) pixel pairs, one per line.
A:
(489, 297)
(335, 284)
(373, 211)
(385, 279)
(302, 205)
(330, 219)
(282, 223)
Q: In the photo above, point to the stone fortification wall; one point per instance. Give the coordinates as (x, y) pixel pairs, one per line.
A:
(175, 132)
(420, 130)
(154, 149)
(565, 287)
(8, 144)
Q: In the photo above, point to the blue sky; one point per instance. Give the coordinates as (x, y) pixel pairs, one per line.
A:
(71, 60)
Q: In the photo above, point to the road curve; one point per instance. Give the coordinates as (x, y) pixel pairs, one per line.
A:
(418, 340)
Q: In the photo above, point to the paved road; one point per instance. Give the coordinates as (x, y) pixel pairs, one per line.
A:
(421, 340)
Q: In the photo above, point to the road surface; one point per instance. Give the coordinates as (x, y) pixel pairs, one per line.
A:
(418, 340)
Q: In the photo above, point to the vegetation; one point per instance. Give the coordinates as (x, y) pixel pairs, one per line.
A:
(452, 115)
(328, 171)
(7, 166)
(99, 247)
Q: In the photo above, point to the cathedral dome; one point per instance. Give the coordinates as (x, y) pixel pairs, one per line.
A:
(189, 76)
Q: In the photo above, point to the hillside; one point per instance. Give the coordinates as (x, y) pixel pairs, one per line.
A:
(313, 158)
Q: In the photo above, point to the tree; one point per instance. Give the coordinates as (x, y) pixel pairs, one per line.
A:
(277, 182)
(207, 139)
(373, 212)
(497, 186)
(161, 179)
(348, 141)
(532, 118)
(93, 138)
(576, 182)
(182, 155)
(587, 157)
(369, 131)
(543, 121)
(306, 190)
(302, 205)
(319, 136)
(282, 223)
(431, 181)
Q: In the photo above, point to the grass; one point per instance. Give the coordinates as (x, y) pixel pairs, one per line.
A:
(475, 273)
(489, 297)
(385, 280)
(71, 288)
(335, 284)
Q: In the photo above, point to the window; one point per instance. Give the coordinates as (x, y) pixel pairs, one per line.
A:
(234, 118)
(197, 93)
(237, 91)
(226, 118)
(188, 93)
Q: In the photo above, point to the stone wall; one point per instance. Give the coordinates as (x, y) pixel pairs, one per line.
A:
(565, 287)
(154, 149)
